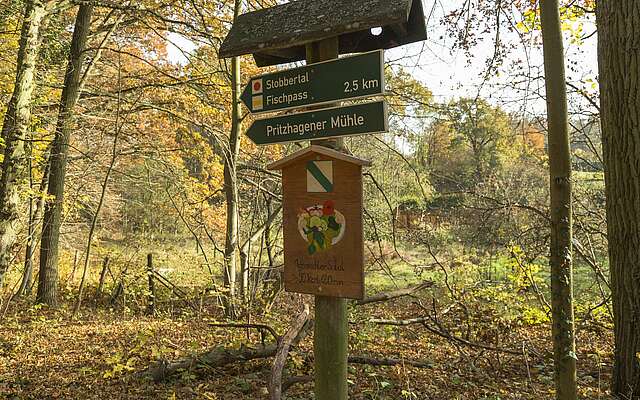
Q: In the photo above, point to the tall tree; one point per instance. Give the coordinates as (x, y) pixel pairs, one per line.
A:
(482, 130)
(15, 128)
(619, 63)
(231, 182)
(564, 347)
(48, 277)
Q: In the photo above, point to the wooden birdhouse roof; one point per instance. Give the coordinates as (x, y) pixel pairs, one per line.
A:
(278, 35)
(292, 158)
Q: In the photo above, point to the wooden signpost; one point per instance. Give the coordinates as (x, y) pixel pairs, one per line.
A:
(322, 222)
(322, 187)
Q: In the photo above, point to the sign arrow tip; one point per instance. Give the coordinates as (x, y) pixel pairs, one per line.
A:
(246, 96)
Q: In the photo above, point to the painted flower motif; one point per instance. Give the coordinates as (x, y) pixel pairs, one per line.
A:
(328, 207)
(317, 222)
(321, 226)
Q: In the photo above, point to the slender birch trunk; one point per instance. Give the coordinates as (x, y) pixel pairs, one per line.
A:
(563, 330)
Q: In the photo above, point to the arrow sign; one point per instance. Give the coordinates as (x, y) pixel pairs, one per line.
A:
(353, 120)
(345, 78)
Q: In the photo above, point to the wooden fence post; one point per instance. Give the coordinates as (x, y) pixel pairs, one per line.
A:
(75, 265)
(151, 306)
(103, 274)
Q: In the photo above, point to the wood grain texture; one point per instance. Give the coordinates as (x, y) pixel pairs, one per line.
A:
(619, 65)
(337, 271)
(277, 35)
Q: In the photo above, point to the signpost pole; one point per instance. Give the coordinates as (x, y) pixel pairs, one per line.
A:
(330, 339)
(323, 50)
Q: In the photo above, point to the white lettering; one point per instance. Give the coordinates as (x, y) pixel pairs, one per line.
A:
(347, 121)
(287, 81)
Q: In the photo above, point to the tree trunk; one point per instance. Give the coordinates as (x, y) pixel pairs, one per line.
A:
(231, 184)
(35, 211)
(14, 132)
(619, 63)
(48, 281)
(564, 348)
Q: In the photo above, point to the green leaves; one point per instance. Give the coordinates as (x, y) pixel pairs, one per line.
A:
(320, 230)
(333, 224)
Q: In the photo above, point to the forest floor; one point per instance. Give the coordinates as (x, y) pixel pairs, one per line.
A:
(44, 354)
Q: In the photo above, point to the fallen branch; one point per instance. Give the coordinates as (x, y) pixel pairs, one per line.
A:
(260, 327)
(441, 333)
(220, 357)
(399, 322)
(395, 293)
(381, 362)
(295, 380)
(284, 344)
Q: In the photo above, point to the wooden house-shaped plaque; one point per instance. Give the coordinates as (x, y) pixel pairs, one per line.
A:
(322, 222)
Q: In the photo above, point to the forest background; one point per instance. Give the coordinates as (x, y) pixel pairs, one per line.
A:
(456, 207)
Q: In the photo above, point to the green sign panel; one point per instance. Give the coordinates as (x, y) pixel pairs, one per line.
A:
(358, 119)
(346, 78)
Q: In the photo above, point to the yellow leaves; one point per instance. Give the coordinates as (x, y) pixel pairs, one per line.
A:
(409, 96)
(530, 21)
(533, 316)
(118, 367)
(524, 274)
(572, 19)
(36, 194)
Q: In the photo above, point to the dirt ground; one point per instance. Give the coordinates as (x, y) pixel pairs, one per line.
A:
(44, 354)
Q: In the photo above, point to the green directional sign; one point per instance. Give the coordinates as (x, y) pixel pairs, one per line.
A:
(352, 120)
(346, 78)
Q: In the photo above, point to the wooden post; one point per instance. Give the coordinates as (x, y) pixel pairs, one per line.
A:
(330, 340)
(75, 265)
(103, 274)
(151, 306)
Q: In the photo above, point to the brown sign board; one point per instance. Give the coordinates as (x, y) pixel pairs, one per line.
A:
(322, 222)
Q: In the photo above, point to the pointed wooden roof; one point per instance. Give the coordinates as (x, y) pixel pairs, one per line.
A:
(293, 157)
(278, 34)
